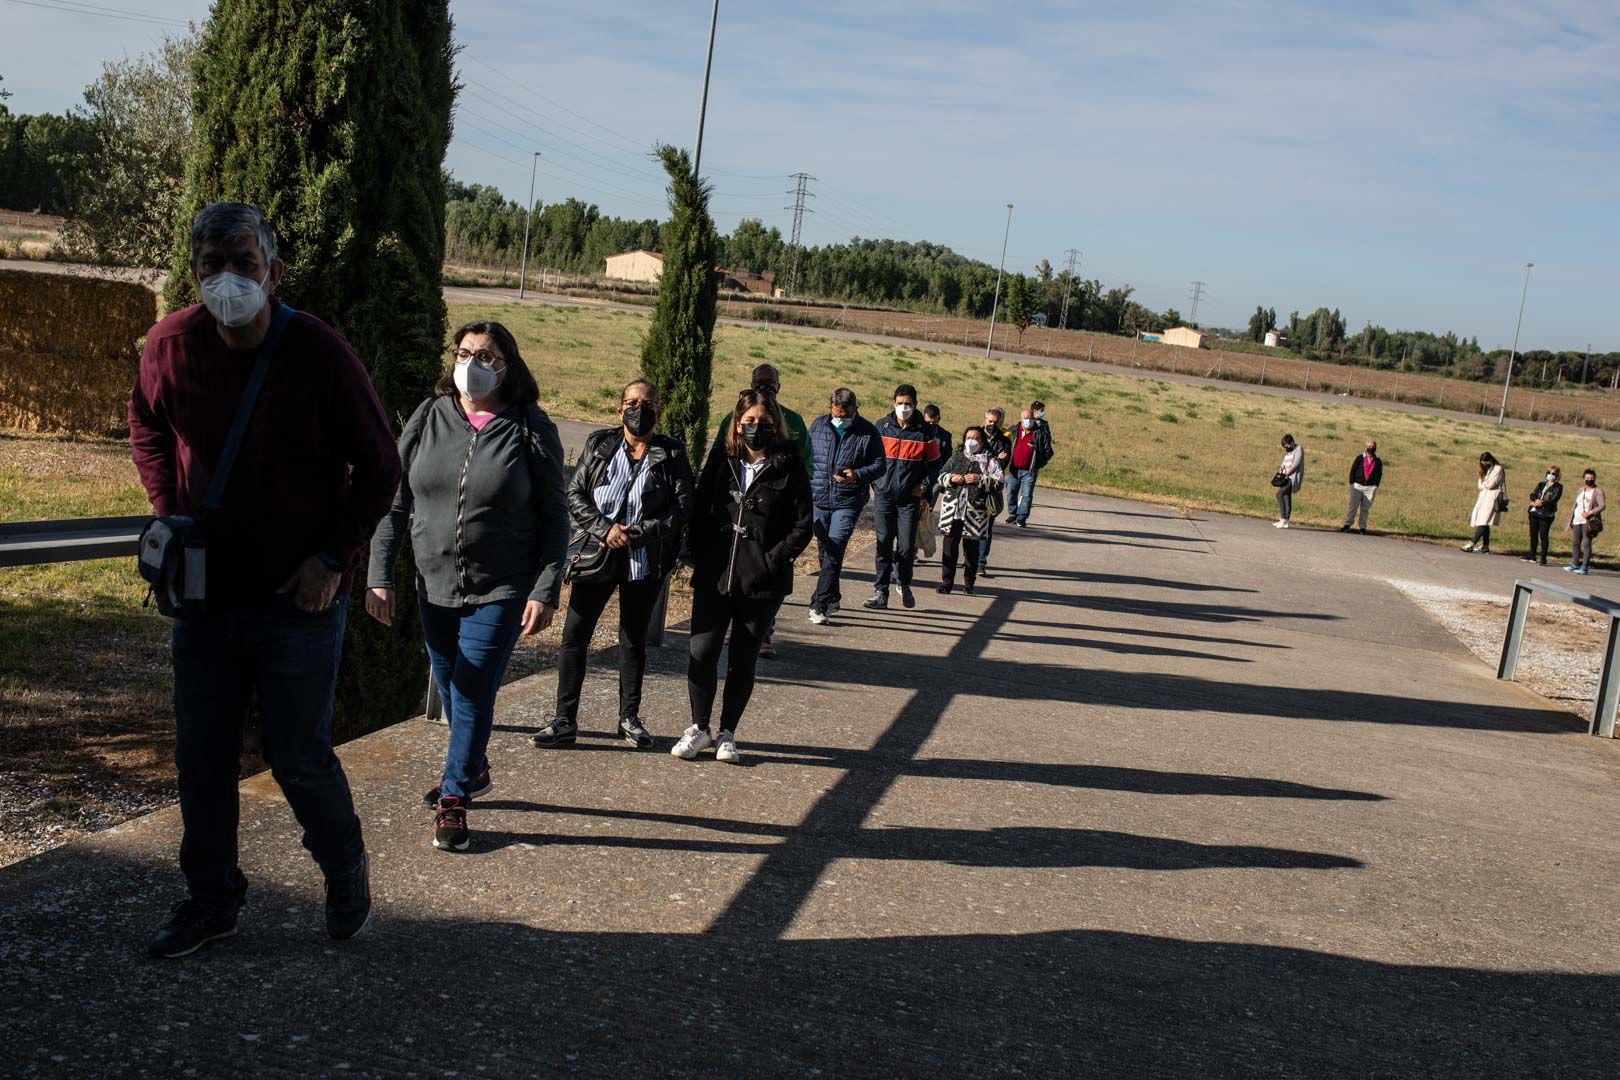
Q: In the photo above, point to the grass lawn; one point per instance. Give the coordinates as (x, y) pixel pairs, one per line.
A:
(1209, 448)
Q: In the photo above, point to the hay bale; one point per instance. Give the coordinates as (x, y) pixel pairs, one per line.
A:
(70, 347)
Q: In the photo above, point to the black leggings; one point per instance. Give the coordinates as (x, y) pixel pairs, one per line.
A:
(1285, 502)
(712, 615)
(952, 541)
(1482, 537)
(585, 604)
(1540, 536)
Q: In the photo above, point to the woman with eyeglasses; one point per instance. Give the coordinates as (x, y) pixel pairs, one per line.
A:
(630, 497)
(751, 518)
(482, 495)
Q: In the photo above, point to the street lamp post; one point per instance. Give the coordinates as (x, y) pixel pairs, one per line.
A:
(523, 273)
(1508, 381)
(990, 341)
(703, 102)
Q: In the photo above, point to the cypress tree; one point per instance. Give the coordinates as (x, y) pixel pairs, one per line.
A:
(678, 352)
(333, 118)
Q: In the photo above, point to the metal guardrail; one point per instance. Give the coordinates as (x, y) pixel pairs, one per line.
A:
(33, 543)
(1608, 694)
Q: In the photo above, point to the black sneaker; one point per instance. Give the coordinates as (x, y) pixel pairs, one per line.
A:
(906, 597)
(560, 732)
(634, 733)
(348, 900)
(450, 825)
(944, 590)
(191, 925)
(1344, 528)
(967, 590)
(877, 601)
(984, 570)
(481, 787)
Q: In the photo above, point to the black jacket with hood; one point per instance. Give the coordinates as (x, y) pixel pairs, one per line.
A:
(743, 545)
(666, 495)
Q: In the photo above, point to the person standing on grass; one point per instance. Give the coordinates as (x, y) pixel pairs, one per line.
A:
(1542, 511)
(751, 518)
(1289, 478)
(998, 444)
(912, 462)
(483, 501)
(1366, 473)
(1487, 510)
(632, 494)
(1031, 450)
(964, 487)
(316, 470)
(1586, 523)
(768, 380)
(848, 455)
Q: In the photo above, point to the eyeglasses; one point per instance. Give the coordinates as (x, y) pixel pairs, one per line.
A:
(483, 357)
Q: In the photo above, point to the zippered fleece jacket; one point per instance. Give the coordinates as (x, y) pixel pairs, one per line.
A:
(486, 510)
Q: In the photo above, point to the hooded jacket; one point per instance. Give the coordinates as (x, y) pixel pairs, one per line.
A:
(743, 543)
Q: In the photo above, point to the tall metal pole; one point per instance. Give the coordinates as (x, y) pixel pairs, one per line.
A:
(1586, 360)
(1068, 287)
(523, 274)
(1508, 381)
(703, 103)
(991, 339)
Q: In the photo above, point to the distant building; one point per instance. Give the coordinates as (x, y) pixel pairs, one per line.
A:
(638, 265)
(1185, 336)
(1276, 339)
(748, 281)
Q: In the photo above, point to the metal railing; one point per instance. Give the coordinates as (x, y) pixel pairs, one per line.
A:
(34, 543)
(1608, 694)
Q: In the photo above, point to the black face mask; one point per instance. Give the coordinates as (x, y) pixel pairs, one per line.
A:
(757, 436)
(639, 420)
(1591, 482)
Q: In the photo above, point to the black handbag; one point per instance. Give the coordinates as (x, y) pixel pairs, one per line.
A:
(589, 559)
(173, 552)
(1279, 481)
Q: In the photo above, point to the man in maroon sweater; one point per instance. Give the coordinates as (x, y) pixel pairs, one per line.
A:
(317, 469)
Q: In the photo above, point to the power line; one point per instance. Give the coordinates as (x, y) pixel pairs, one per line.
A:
(635, 144)
(72, 7)
(800, 192)
(1196, 295)
(642, 168)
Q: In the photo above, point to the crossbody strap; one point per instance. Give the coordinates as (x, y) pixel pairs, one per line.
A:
(244, 410)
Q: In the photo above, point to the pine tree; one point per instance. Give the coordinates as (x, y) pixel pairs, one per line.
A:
(333, 119)
(678, 352)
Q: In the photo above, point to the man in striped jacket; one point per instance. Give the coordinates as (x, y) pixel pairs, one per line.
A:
(911, 453)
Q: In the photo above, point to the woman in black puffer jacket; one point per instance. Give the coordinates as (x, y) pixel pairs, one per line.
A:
(751, 519)
(630, 497)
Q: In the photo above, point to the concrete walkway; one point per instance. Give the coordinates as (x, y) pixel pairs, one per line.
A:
(1177, 797)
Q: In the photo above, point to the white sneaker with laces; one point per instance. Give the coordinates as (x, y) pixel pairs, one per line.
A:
(817, 617)
(1279, 524)
(726, 749)
(692, 741)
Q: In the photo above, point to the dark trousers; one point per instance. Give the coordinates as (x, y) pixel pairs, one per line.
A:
(1482, 536)
(1285, 502)
(712, 615)
(288, 659)
(984, 543)
(1540, 536)
(1580, 547)
(833, 530)
(952, 541)
(585, 605)
(468, 649)
(896, 540)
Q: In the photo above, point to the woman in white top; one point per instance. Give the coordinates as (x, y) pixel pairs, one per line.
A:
(1292, 474)
(1585, 523)
(1487, 504)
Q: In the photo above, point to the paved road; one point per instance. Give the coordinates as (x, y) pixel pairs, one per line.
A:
(1183, 796)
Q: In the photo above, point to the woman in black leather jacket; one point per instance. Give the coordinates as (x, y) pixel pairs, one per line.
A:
(630, 497)
(751, 518)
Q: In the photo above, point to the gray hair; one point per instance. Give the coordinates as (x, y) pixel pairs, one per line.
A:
(230, 221)
(844, 398)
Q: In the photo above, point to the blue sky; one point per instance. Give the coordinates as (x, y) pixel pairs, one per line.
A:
(1401, 161)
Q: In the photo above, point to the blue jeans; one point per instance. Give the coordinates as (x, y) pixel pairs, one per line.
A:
(833, 530)
(468, 649)
(288, 659)
(896, 541)
(1020, 488)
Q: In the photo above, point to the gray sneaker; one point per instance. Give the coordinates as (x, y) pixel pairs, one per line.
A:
(877, 601)
(560, 732)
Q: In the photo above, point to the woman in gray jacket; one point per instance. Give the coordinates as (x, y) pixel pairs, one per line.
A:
(1290, 475)
(482, 492)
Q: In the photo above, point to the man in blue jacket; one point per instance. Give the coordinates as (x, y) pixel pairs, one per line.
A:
(847, 456)
(911, 465)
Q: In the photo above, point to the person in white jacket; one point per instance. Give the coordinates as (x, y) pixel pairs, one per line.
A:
(1487, 504)
(1291, 474)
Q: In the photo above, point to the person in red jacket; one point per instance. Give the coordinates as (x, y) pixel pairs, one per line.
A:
(316, 472)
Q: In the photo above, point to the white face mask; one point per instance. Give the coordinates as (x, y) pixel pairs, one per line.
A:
(971, 446)
(837, 421)
(232, 299)
(475, 380)
(903, 412)
(1028, 424)
(1552, 479)
(1039, 413)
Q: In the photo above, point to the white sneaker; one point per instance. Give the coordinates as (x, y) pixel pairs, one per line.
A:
(1279, 524)
(693, 740)
(1468, 547)
(817, 616)
(726, 749)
